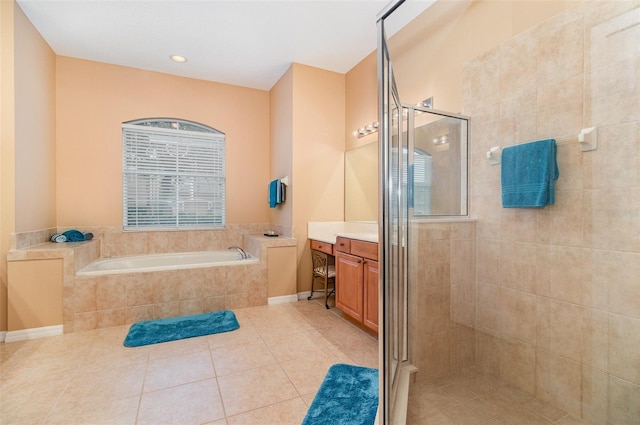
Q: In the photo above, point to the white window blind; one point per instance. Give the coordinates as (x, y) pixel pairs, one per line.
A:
(420, 190)
(421, 183)
(172, 178)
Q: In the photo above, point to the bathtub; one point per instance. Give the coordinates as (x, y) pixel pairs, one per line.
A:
(159, 262)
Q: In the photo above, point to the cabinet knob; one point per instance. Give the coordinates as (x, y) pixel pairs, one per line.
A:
(359, 261)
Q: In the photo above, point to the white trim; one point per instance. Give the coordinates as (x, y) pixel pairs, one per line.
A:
(3, 335)
(303, 295)
(33, 333)
(283, 299)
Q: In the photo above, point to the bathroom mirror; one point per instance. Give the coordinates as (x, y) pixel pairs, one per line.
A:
(439, 170)
(439, 164)
(361, 183)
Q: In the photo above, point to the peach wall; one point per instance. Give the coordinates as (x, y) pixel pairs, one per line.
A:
(361, 99)
(35, 294)
(281, 153)
(318, 155)
(27, 167)
(307, 128)
(93, 99)
(7, 147)
(35, 111)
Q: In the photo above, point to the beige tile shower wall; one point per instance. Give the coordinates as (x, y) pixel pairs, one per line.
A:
(558, 288)
(442, 297)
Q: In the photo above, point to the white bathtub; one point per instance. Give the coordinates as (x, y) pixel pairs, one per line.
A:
(158, 262)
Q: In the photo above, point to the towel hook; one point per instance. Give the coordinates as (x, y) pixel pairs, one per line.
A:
(493, 155)
(588, 139)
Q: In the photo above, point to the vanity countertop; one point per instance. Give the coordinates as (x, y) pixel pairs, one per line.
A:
(331, 238)
(326, 238)
(328, 231)
(368, 237)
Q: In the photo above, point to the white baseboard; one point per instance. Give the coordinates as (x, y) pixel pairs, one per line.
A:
(3, 335)
(303, 295)
(283, 299)
(293, 298)
(33, 333)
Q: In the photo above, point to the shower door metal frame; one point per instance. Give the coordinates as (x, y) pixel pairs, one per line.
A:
(393, 236)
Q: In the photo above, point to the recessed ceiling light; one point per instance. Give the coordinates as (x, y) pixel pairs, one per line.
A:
(178, 58)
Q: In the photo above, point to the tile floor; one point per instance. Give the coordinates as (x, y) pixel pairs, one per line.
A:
(266, 372)
(471, 398)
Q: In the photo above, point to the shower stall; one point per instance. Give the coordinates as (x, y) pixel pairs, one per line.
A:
(492, 313)
(423, 155)
(425, 206)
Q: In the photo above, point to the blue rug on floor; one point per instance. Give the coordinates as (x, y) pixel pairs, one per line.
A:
(348, 396)
(174, 328)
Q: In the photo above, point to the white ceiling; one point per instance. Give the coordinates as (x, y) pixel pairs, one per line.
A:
(240, 42)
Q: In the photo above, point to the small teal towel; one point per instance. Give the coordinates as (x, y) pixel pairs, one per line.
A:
(529, 172)
(74, 235)
(273, 193)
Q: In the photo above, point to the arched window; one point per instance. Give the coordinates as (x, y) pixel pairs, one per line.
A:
(173, 175)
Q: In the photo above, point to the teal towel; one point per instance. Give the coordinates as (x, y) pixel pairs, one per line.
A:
(273, 193)
(528, 174)
(348, 395)
(74, 236)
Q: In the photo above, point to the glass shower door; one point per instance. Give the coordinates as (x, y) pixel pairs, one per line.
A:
(393, 221)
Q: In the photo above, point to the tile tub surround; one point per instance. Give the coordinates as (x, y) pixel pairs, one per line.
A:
(116, 243)
(95, 302)
(89, 377)
(558, 314)
(119, 299)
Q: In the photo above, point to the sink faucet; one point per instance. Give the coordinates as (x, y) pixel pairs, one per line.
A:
(242, 252)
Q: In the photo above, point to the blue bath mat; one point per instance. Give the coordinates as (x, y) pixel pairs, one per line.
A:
(348, 396)
(174, 328)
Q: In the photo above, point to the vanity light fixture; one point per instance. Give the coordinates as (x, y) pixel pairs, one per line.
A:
(367, 130)
(427, 103)
(441, 140)
(178, 58)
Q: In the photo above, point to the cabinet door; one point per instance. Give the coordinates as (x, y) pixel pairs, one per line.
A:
(371, 294)
(349, 285)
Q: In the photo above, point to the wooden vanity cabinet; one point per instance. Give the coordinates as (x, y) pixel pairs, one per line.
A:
(357, 280)
(325, 247)
(349, 285)
(370, 318)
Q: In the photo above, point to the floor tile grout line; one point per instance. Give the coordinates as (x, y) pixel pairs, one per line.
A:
(55, 404)
(215, 372)
(265, 406)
